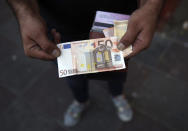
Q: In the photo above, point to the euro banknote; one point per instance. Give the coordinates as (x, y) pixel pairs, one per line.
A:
(109, 32)
(89, 56)
(120, 28)
(106, 19)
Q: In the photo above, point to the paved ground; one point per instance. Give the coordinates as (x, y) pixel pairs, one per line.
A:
(32, 98)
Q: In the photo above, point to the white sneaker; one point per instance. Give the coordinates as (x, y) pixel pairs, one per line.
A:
(124, 110)
(73, 113)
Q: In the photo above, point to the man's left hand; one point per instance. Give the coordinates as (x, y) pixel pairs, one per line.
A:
(141, 28)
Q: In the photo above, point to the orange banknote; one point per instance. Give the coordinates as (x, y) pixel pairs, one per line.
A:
(89, 56)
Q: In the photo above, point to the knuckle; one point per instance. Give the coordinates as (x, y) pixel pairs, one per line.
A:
(47, 47)
(133, 24)
(126, 40)
(38, 35)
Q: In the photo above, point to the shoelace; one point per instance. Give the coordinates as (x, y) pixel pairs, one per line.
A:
(74, 110)
(122, 104)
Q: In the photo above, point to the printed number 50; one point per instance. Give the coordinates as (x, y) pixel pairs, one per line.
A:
(63, 72)
(107, 43)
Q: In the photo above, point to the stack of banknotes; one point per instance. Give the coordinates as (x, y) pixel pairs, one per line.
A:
(119, 29)
(94, 55)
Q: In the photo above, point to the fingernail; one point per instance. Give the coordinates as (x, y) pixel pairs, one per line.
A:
(121, 46)
(55, 53)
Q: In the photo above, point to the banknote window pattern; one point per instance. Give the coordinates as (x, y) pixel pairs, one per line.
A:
(102, 57)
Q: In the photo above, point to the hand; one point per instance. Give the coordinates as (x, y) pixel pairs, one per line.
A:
(35, 41)
(141, 28)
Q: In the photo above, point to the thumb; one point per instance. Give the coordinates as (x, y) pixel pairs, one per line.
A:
(48, 46)
(129, 37)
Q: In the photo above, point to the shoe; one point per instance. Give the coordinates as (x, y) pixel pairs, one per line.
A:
(73, 113)
(124, 110)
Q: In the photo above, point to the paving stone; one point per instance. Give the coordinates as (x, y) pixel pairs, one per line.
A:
(21, 117)
(174, 27)
(8, 24)
(179, 13)
(165, 99)
(49, 95)
(176, 33)
(137, 75)
(143, 123)
(6, 98)
(175, 62)
(6, 14)
(17, 70)
(40, 125)
(15, 116)
(11, 31)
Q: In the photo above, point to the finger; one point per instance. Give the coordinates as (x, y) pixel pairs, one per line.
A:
(56, 36)
(136, 48)
(129, 37)
(53, 31)
(36, 52)
(48, 46)
(142, 42)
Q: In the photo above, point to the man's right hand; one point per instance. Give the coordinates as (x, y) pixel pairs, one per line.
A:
(33, 30)
(35, 41)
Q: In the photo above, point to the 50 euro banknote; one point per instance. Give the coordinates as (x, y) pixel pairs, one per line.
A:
(89, 56)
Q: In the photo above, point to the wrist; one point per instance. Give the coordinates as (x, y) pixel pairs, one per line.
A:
(154, 6)
(24, 9)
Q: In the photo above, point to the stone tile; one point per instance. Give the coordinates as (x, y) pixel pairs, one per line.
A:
(6, 98)
(9, 25)
(6, 13)
(179, 13)
(17, 70)
(40, 125)
(164, 99)
(142, 123)
(49, 95)
(175, 61)
(137, 75)
(173, 29)
(10, 50)
(21, 117)
(182, 36)
(15, 116)
(152, 55)
(10, 30)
